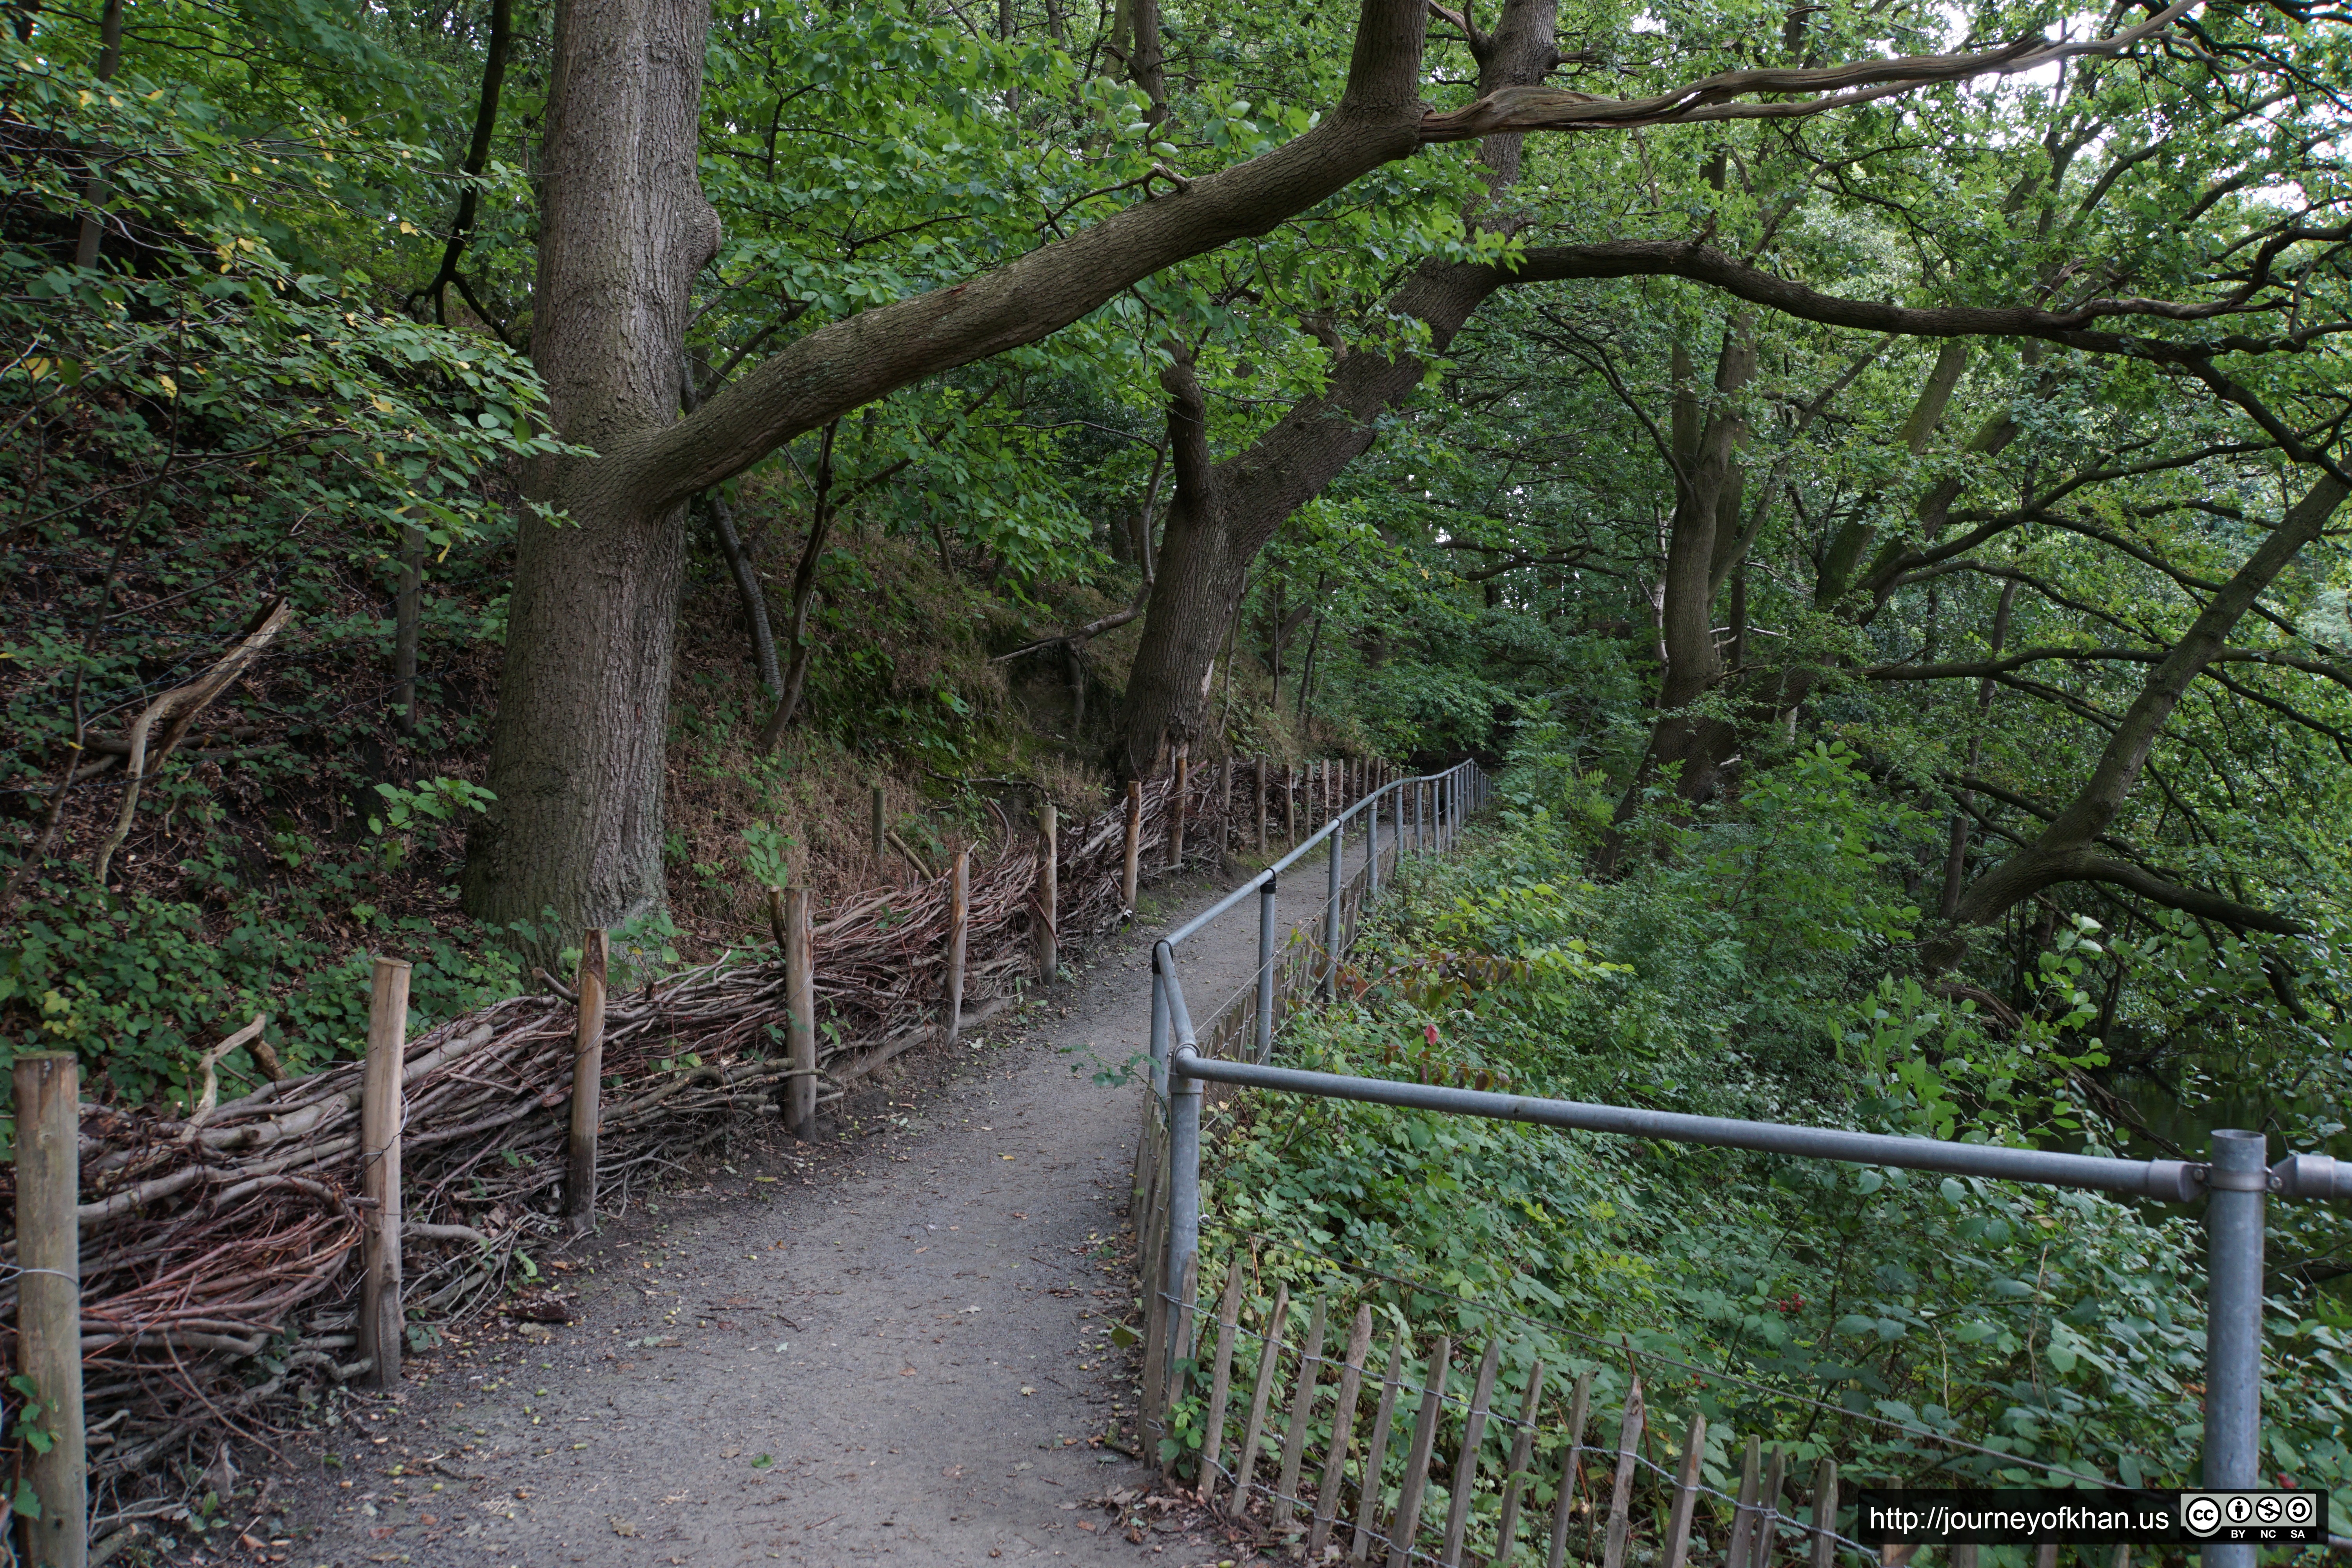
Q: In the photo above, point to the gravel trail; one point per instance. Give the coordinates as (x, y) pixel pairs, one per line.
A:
(891, 1347)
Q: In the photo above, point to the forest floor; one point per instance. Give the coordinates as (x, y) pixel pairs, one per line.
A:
(891, 1344)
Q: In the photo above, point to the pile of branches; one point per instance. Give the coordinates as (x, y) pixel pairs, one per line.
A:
(220, 1253)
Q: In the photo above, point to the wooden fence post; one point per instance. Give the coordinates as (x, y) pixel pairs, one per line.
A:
(1049, 886)
(959, 928)
(1465, 1469)
(1134, 845)
(1825, 1508)
(1269, 1355)
(800, 1001)
(1302, 1409)
(380, 1318)
(1767, 1512)
(1679, 1525)
(1224, 804)
(1343, 1427)
(1571, 1470)
(1257, 787)
(1407, 1522)
(587, 1081)
(1376, 1453)
(1178, 802)
(1620, 1493)
(1212, 1433)
(880, 827)
(48, 1300)
(1743, 1512)
(1523, 1449)
(1290, 804)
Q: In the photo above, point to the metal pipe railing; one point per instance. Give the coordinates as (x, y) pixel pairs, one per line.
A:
(2235, 1180)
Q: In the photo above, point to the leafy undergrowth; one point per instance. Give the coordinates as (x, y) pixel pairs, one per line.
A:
(1825, 1308)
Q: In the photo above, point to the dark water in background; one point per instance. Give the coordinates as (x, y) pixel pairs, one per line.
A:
(2257, 1097)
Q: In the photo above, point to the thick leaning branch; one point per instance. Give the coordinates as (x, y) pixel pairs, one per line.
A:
(1378, 120)
(2063, 852)
(1705, 264)
(843, 366)
(1962, 670)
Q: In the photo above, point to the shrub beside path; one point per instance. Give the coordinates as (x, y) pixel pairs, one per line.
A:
(895, 1347)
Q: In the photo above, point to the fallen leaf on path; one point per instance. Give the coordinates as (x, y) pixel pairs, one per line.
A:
(621, 1527)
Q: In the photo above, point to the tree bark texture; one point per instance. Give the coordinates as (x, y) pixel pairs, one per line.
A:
(576, 762)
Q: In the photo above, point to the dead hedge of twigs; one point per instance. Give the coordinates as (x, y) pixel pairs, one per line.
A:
(220, 1254)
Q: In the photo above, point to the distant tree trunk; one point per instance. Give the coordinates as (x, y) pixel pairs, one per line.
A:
(1225, 513)
(2067, 849)
(1955, 856)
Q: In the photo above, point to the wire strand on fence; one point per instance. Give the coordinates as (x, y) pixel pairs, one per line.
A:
(1627, 1348)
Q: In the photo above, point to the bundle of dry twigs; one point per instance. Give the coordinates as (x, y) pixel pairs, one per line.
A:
(219, 1253)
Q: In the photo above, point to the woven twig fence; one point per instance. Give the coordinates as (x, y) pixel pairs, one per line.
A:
(219, 1252)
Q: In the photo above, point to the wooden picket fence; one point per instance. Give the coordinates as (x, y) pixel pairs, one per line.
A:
(1445, 1476)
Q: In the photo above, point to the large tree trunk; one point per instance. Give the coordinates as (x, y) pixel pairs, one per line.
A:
(576, 762)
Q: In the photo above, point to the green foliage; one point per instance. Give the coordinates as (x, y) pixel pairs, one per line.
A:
(1869, 1310)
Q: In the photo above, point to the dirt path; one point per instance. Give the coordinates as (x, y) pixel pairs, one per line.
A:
(895, 1348)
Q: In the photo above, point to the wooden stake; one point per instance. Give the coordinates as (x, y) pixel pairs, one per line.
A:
(1825, 1508)
(1407, 1522)
(49, 1300)
(1343, 1427)
(1376, 1453)
(1179, 1348)
(1221, 1380)
(959, 930)
(776, 918)
(1678, 1526)
(799, 1004)
(380, 1106)
(1224, 803)
(1466, 1467)
(1743, 1516)
(1302, 1408)
(1620, 1493)
(587, 1081)
(1134, 844)
(1155, 1318)
(1257, 787)
(1768, 1513)
(1290, 804)
(1523, 1453)
(1177, 804)
(1269, 1353)
(1049, 888)
(1571, 1471)
(881, 828)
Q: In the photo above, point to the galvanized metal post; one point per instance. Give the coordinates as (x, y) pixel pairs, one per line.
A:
(1183, 1207)
(1266, 971)
(1331, 913)
(1159, 1028)
(2235, 1182)
(1372, 847)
